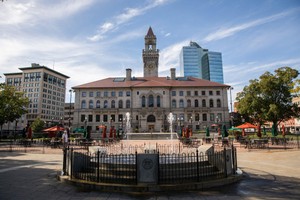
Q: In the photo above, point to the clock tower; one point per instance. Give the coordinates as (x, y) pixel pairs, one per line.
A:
(150, 55)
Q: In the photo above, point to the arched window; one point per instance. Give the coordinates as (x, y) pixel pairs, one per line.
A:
(158, 101)
(143, 101)
(203, 103)
(127, 103)
(189, 104)
(181, 104)
(113, 104)
(120, 104)
(151, 118)
(196, 103)
(173, 103)
(150, 101)
(211, 103)
(91, 104)
(98, 104)
(105, 104)
(83, 104)
(218, 103)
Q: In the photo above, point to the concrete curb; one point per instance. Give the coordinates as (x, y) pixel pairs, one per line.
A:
(148, 188)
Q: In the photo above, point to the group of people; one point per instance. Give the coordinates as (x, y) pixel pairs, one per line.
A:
(187, 132)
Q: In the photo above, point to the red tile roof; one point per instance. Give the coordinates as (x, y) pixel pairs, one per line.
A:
(144, 82)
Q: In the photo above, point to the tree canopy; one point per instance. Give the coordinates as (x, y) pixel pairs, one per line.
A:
(269, 98)
(12, 104)
(37, 125)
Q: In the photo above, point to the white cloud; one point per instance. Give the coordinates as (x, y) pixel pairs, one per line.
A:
(23, 12)
(226, 32)
(169, 57)
(127, 15)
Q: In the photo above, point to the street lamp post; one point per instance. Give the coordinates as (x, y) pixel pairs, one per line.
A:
(217, 122)
(16, 126)
(70, 107)
(61, 122)
(85, 127)
(191, 120)
(231, 88)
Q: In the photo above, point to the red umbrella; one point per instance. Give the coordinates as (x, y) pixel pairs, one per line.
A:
(115, 131)
(111, 132)
(29, 133)
(215, 125)
(104, 132)
(283, 130)
(243, 133)
(258, 130)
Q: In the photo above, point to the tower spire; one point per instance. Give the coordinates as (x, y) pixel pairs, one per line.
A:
(150, 55)
(150, 33)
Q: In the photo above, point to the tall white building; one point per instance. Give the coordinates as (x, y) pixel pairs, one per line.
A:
(45, 88)
(194, 103)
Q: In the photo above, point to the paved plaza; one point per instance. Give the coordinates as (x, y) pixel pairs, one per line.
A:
(267, 175)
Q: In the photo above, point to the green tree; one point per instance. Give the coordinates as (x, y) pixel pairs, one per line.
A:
(37, 125)
(269, 98)
(12, 104)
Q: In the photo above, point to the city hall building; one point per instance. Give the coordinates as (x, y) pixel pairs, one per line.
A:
(148, 100)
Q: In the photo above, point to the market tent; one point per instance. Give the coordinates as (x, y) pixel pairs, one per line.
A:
(246, 125)
(52, 131)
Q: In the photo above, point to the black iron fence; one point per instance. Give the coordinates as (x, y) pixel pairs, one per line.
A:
(271, 143)
(28, 146)
(197, 166)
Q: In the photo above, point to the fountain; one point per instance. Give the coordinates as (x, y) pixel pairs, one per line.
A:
(170, 120)
(128, 124)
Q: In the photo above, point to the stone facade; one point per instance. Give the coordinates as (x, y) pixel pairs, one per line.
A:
(194, 103)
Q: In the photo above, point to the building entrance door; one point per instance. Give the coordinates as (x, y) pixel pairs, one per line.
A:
(151, 128)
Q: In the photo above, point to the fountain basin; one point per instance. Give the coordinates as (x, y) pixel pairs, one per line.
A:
(152, 136)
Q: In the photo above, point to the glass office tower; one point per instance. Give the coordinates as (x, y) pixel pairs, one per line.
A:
(212, 68)
(190, 60)
(201, 63)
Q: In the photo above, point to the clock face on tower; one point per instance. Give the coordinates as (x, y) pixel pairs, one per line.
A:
(151, 66)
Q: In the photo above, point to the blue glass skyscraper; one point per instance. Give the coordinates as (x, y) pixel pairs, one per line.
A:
(201, 63)
(190, 60)
(212, 68)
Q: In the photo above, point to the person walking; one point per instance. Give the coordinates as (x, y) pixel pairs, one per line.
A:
(65, 139)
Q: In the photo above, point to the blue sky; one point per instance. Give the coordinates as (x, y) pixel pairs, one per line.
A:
(95, 39)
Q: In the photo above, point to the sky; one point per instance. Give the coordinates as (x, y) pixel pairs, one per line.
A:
(94, 39)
